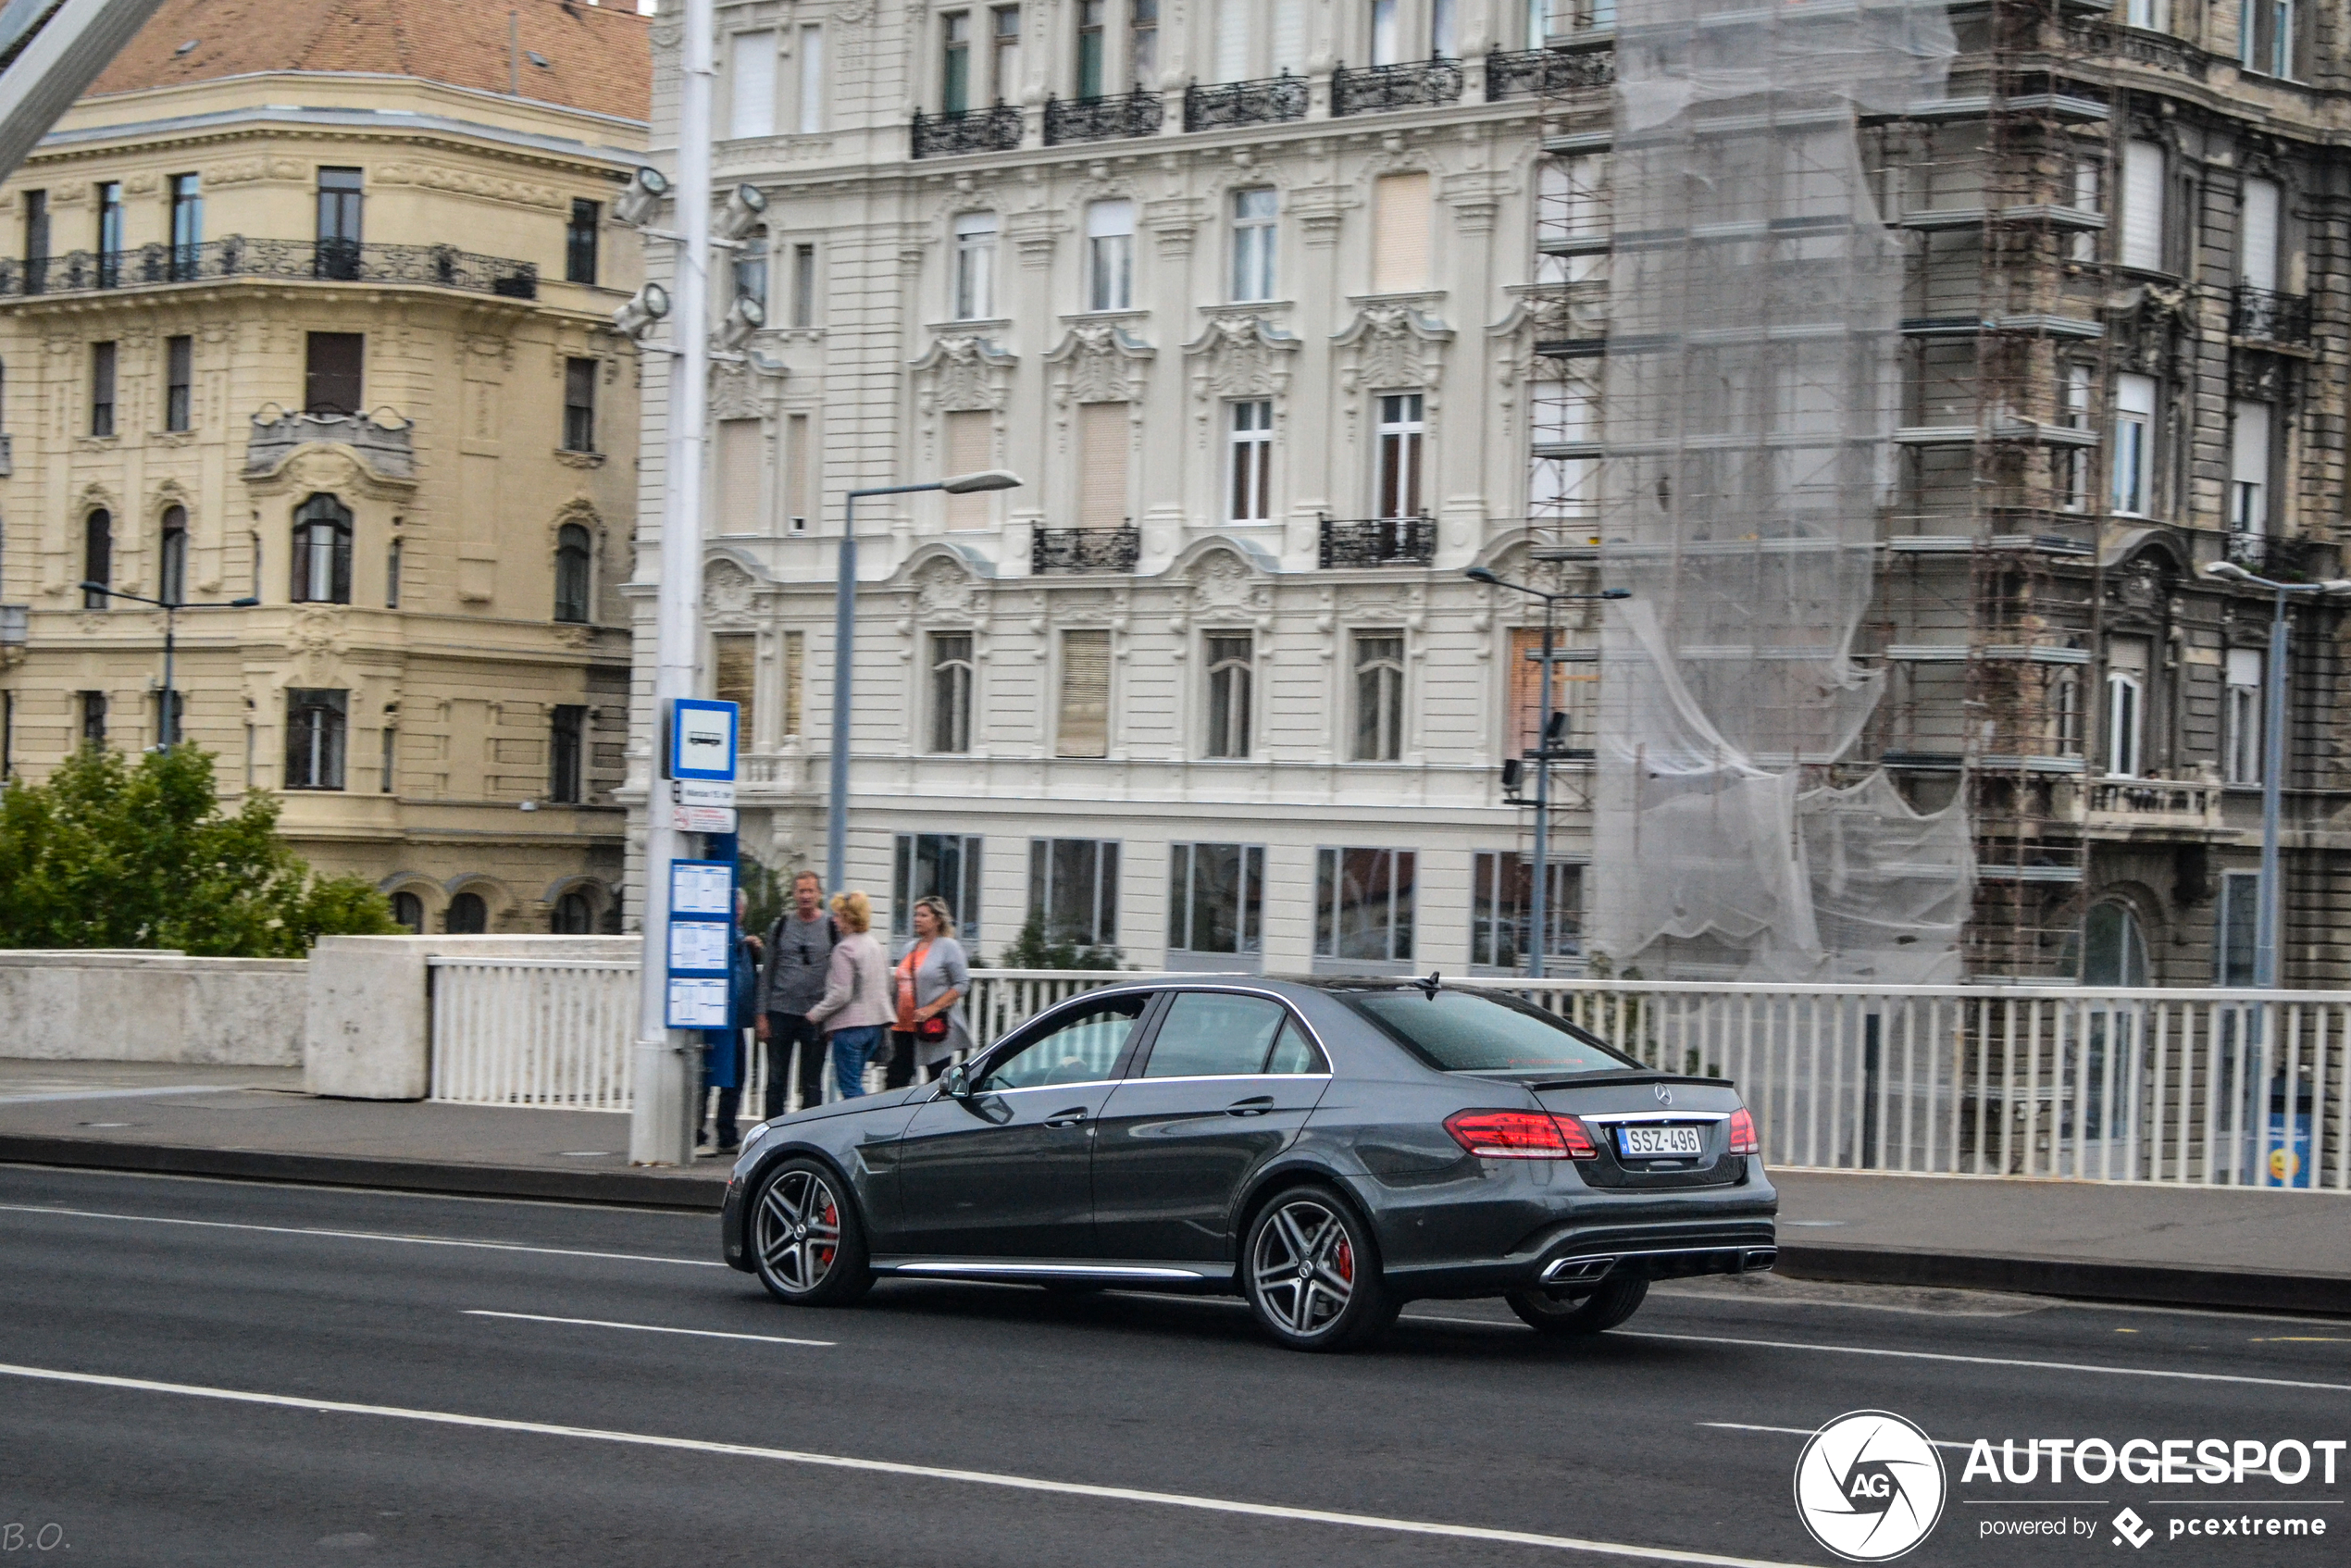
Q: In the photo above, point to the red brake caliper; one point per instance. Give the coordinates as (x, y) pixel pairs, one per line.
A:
(832, 1218)
(1345, 1258)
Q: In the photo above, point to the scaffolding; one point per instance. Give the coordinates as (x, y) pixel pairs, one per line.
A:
(1820, 292)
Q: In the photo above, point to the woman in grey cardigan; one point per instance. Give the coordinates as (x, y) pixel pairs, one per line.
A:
(855, 1006)
(927, 983)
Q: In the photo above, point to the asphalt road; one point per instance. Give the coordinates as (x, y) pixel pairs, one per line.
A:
(200, 1372)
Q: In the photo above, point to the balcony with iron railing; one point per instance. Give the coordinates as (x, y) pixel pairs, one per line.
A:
(1378, 541)
(1265, 101)
(1103, 120)
(1543, 73)
(2280, 560)
(1411, 85)
(331, 261)
(1085, 550)
(2265, 316)
(995, 129)
(2127, 808)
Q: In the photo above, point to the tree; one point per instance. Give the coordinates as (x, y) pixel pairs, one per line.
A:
(107, 853)
(1030, 949)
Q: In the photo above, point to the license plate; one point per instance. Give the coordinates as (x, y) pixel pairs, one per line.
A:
(1658, 1143)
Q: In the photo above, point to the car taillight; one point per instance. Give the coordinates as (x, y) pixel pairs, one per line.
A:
(1743, 1140)
(1520, 1135)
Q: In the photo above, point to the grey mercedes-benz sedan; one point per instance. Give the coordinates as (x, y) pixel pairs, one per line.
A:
(1328, 1149)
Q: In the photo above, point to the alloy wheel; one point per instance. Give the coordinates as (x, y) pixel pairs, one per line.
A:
(1303, 1266)
(798, 1231)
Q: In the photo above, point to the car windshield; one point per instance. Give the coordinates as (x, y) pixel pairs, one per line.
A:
(1467, 1032)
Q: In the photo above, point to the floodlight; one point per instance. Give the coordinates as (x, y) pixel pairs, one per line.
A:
(646, 307)
(746, 317)
(2227, 571)
(987, 479)
(642, 197)
(1482, 574)
(741, 213)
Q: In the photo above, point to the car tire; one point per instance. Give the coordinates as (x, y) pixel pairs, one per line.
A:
(807, 1243)
(1551, 1311)
(1312, 1273)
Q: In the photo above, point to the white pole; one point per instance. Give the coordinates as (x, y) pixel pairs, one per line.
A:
(661, 1127)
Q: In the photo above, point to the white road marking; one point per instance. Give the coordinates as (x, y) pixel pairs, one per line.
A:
(1987, 1360)
(651, 1329)
(404, 1194)
(365, 1236)
(889, 1467)
(1923, 1355)
(122, 1093)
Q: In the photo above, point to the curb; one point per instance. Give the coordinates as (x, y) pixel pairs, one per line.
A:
(2147, 1284)
(640, 1189)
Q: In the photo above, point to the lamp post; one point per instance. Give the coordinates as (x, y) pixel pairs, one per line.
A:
(2266, 918)
(168, 722)
(845, 652)
(1538, 902)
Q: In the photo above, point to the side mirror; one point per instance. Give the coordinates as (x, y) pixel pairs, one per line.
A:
(957, 1083)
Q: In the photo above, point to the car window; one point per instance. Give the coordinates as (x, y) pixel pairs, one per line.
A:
(1295, 1053)
(1459, 1031)
(1209, 1035)
(1082, 1048)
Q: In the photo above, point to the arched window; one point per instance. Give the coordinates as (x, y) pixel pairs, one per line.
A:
(469, 916)
(409, 911)
(573, 576)
(322, 552)
(2113, 952)
(171, 557)
(574, 917)
(97, 557)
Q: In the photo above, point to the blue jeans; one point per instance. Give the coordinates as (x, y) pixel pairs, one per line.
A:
(851, 1047)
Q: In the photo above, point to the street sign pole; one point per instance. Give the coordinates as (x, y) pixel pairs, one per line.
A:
(662, 1126)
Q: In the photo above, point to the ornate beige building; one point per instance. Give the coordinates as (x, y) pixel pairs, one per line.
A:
(347, 359)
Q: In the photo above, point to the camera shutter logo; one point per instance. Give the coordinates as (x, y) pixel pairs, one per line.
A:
(1870, 1486)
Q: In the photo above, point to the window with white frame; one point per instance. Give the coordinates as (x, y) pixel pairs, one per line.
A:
(2143, 206)
(1142, 44)
(1388, 33)
(315, 727)
(1248, 485)
(1231, 670)
(2241, 718)
(811, 108)
(1398, 437)
(1073, 889)
(2134, 449)
(2088, 195)
(1003, 45)
(1379, 696)
(1256, 224)
(1444, 30)
(1215, 899)
(936, 866)
(2266, 35)
(1363, 906)
(750, 85)
(955, 62)
(2126, 694)
(1110, 255)
(2258, 209)
(950, 691)
(2248, 469)
(1503, 910)
(2154, 15)
(974, 265)
(2074, 463)
(1093, 44)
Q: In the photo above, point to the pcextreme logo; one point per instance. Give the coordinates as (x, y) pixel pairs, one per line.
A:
(1870, 1486)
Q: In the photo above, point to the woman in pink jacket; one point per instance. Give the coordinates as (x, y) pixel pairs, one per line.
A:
(855, 1008)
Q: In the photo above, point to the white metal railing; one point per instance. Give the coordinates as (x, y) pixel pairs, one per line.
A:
(2207, 1087)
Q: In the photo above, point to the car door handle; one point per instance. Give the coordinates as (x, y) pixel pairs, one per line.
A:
(1255, 1105)
(1068, 1118)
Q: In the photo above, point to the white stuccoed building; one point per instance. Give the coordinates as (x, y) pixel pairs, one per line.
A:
(1211, 686)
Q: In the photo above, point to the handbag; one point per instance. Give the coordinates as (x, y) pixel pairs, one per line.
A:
(931, 1029)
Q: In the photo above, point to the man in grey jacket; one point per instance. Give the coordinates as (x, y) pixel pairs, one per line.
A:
(800, 946)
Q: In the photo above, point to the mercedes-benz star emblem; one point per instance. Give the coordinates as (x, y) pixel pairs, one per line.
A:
(1664, 1095)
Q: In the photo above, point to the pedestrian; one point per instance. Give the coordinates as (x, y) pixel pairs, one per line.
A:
(722, 1050)
(856, 1005)
(800, 950)
(928, 987)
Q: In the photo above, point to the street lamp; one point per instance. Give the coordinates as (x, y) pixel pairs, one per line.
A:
(1538, 904)
(845, 652)
(2265, 924)
(167, 728)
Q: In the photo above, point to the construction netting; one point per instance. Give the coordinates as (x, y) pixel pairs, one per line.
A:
(1752, 391)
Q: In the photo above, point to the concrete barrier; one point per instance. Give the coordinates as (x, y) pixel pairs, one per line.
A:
(369, 1013)
(117, 1005)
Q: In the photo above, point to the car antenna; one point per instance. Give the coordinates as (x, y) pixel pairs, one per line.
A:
(1430, 987)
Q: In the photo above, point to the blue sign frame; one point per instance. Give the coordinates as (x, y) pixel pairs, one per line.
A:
(683, 733)
(701, 899)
